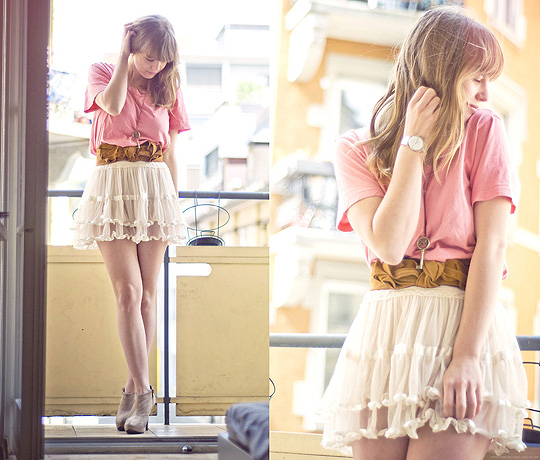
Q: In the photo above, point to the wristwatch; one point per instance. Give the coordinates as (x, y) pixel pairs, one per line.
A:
(415, 143)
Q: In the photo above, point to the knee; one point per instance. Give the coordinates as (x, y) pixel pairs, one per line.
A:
(148, 302)
(129, 298)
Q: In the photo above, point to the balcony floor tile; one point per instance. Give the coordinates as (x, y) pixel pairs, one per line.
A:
(132, 457)
(60, 431)
(156, 430)
(201, 429)
(105, 431)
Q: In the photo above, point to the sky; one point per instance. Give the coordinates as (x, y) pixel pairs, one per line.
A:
(83, 30)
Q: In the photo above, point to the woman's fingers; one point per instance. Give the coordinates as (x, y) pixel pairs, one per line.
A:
(428, 101)
(478, 397)
(126, 40)
(448, 401)
(418, 94)
(471, 404)
(460, 402)
(433, 104)
(462, 389)
(421, 112)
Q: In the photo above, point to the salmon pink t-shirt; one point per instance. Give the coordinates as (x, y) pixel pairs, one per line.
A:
(480, 171)
(139, 114)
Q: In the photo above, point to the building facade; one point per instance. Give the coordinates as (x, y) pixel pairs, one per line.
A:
(333, 64)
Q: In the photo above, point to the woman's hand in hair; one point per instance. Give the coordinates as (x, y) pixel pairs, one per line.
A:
(422, 111)
(113, 98)
(126, 39)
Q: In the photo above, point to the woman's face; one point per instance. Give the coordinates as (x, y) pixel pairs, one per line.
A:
(147, 66)
(476, 93)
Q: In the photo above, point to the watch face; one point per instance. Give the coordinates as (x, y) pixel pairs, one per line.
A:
(416, 143)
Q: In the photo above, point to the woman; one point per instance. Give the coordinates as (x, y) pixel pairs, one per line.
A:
(130, 207)
(430, 368)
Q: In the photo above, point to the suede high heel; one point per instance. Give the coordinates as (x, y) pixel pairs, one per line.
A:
(137, 421)
(124, 409)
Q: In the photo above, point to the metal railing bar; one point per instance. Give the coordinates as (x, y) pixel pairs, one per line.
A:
(64, 193)
(181, 194)
(302, 340)
(166, 371)
(307, 340)
(225, 195)
(528, 342)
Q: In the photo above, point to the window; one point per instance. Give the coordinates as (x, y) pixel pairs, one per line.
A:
(357, 102)
(211, 163)
(353, 87)
(203, 74)
(508, 17)
(342, 308)
(338, 305)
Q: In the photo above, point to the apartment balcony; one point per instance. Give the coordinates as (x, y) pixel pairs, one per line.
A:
(211, 349)
(378, 22)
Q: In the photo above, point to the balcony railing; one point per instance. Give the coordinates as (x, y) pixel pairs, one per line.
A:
(212, 333)
(525, 342)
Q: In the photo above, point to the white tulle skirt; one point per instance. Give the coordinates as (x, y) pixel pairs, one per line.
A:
(388, 378)
(134, 200)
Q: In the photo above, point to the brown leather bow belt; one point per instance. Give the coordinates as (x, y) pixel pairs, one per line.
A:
(450, 273)
(108, 153)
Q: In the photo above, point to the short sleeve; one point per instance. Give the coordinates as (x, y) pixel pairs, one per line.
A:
(355, 181)
(99, 76)
(492, 173)
(178, 119)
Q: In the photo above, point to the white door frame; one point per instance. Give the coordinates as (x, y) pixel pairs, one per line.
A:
(24, 144)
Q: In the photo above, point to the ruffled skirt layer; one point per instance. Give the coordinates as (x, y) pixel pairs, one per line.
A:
(388, 378)
(133, 200)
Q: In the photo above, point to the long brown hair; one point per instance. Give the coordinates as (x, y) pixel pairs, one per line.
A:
(154, 36)
(444, 49)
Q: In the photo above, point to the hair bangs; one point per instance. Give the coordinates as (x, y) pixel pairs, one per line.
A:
(163, 49)
(483, 53)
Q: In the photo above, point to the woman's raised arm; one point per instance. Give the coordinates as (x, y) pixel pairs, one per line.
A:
(113, 98)
(387, 225)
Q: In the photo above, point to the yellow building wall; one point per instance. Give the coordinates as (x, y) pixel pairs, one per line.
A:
(291, 133)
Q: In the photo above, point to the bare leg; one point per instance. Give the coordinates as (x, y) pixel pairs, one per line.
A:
(381, 449)
(150, 256)
(120, 257)
(447, 445)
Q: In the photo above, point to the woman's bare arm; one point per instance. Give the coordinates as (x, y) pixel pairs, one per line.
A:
(462, 382)
(113, 98)
(387, 224)
(170, 158)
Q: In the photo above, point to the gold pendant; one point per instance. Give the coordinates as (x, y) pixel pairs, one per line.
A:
(422, 243)
(136, 136)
